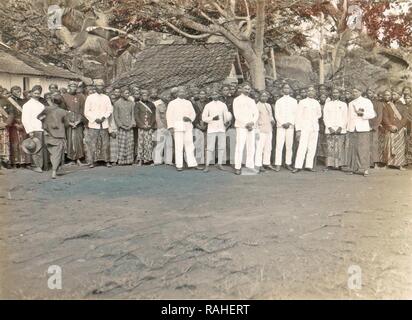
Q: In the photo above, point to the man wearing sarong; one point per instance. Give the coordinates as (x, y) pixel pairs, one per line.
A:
(33, 126)
(54, 121)
(335, 118)
(4, 132)
(17, 133)
(98, 108)
(360, 111)
(376, 129)
(76, 122)
(113, 138)
(394, 119)
(123, 113)
(408, 104)
(145, 116)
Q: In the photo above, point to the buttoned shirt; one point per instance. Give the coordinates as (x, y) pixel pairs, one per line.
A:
(245, 111)
(265, 117)
(285, 110)
(176, 110)
(213, 109)
(308, 114)
(335, 115)
(161, 108)
(360, 123)
(96, 107)
(31, 109)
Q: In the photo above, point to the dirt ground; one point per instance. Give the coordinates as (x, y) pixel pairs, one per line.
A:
(154, 233)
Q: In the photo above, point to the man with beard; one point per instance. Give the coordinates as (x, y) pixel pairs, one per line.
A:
(33, 125)
(360, 111)
(17, 134)
(76, 121)
(98, 108)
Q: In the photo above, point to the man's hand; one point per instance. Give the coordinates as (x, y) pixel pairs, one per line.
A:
(393, 129)
(113, 135)
(172, 131)
(285, 125)
(339, 131)
(272, 122)
(98, 121)
(331, 131)
(187, 119)
(215, 118)
(31, 134)
(298, 133)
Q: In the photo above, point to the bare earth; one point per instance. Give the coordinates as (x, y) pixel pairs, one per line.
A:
(151, 233)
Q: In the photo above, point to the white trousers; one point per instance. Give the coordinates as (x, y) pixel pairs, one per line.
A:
(307, 149)
(230, 146)
(263, 149)
(245, 137)
(284, 136)
(184, 143)
(199, 143)
(163, 151)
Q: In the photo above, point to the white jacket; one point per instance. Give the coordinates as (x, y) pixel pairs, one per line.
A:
(176, 110)
(31, 109)
(285, 110)
(245, 111)
(308, 114)
(357, 123)
(335, 115)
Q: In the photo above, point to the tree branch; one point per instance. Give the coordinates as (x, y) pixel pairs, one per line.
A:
(187, 35)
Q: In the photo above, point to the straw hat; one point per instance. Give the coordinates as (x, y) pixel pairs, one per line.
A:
(31, 145)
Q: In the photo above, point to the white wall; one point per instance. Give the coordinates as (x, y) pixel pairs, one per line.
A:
(8, 80)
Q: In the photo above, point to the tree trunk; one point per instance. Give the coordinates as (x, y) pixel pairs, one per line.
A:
(257, 71)
(321, 52)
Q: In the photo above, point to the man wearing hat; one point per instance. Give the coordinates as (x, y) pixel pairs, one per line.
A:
(75, 105)
(217, 117)
(33, 125)
(97, 110)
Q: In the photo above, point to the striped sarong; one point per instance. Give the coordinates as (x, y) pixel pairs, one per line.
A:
(395, 148)
(126, 146)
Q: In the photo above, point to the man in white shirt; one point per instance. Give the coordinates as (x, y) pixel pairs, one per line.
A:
(335, 117)
(179, 117)
(217, 117)
(97, 109)
(307, 128)
(33, 126)
(285, 115)
(360, 111)
(246, 116)
(265, 129)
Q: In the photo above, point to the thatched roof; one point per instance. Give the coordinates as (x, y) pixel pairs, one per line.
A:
(13, 62)
(167, 66)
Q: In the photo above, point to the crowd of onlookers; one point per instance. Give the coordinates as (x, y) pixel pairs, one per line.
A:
(343, 129)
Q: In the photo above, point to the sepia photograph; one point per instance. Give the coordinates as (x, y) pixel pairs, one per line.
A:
(182, 150)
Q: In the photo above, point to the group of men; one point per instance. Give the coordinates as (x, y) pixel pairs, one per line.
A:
(123, 126)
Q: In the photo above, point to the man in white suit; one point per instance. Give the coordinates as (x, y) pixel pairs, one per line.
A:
(179, 117)
(246, 116)
(307, 127)
(285, 115)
